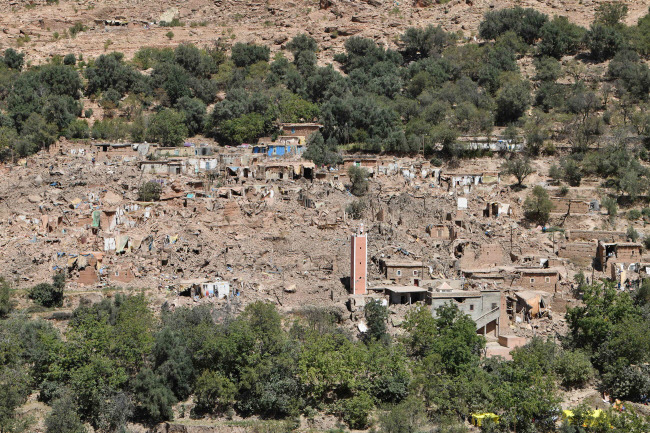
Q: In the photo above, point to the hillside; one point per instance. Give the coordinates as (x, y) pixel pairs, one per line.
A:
(324, 216)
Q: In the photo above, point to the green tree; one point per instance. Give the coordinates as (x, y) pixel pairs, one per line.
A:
(358, 180)
(149, 191)
(538, 205)
(512, 101)
(6, 305)
(47, 295)
(321, 152)
(356, 410)
(376, 317)
(603, 41)
(244, 55)
(214, 393)
(560, 37)
(194, 111)
(168, 128)
(153, 399)
(611, 14)
(520, 168)
(526, 23)
(13, 59)
(406, 417)
(64, 417)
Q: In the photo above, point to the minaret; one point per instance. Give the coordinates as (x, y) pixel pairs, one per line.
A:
(358, 262)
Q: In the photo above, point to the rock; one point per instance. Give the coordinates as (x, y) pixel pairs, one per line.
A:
(38, 180)
(290, 288)
(168, 15)
(33, 198)
(110, 198)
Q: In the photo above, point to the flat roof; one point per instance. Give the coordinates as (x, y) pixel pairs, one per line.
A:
(538, 271)
(403, 263)
(406, 289)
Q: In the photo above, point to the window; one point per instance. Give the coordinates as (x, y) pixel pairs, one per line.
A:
(532, 280)
(293, 130)
(415, 273)
(471, 307)
(494, 305)
(547, 279)
(398, 273)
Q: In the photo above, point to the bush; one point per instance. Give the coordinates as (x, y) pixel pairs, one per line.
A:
(214, 393)
(573, 368)
(88, 112)
(512, 100)
(70, 60)
(244, 55)
(610, 205)
(149, 191)
(560, 37)
(564, 190)
(168, 128)
(322, 152)
(603, 42)
(47, 295)
(356, 410)
(355, 209)
(538, 205)
(77, 28)
(526, 23)
(13, 59)
(358, 180)
(634, 214)
(517, 167)
(5, 298)
(632, 234)
(64, 418)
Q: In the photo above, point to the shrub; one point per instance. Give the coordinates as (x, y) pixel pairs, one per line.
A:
(513, 99)
(564, 190)
(356, 209)
(610, 205)
(77, 129)
(88, 112)
(634, 214)
(78, 27)
(632, 234)
(69, 60)
(356, 410)
(5, 298)
(247, 54)
(538, 205)
(168, 128)
(560, 37)
(358, 180)
(214, 393)
(603, 42)
(149, 191)
(13, 59)
(573, 368)
(47, 295)
(517, 167)
(526, 23)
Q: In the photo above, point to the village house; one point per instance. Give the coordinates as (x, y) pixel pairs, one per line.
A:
(300, 129)
(466, 181)
(539, 279)
(496, 209)
(405, 295)
(402, 271)
(620, 252)
(581, 253)
(441, 232)
(484, 307)
(369, 162)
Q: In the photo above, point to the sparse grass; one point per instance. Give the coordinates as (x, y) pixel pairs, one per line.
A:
(22, 40)
(199, 24)
(238, 17)
(107, 44)
(173, 23)
(77, 28)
